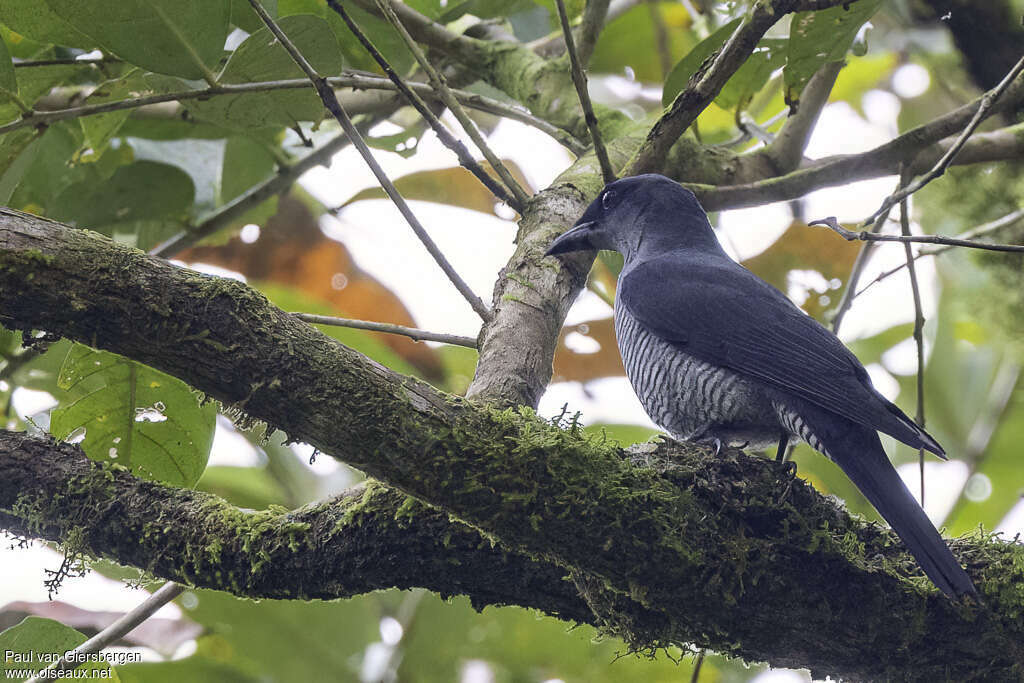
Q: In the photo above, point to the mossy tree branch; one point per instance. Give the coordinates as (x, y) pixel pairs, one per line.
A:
(721, 552)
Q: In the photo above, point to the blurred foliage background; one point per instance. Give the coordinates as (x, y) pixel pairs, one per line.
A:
(148, 174)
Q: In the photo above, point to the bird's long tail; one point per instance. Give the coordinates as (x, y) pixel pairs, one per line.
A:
(858, 451)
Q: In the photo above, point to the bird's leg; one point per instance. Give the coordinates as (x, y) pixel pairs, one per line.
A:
(782, 454)
(701, 436)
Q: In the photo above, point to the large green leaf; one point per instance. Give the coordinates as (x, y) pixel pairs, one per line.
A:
(819, 37)
(8, 81)
(101, 128)
(17, 152)
(628, 41)
(36, 20)
(246, 162)
(139, 191)
(286, 640)
(134, 415)
(179, 37)
(32, 83)
(34, 642)
(688, 65)
(262, 58)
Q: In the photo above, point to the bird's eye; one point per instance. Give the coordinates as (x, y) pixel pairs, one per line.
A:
(608, 200)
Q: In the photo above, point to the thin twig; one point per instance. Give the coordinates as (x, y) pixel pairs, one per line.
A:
(112, 633)
(255, 195)
(411, 332)
(855, 273)
(330, 101)
(357, 81)
(866, 236)
(787, 150)
(70, 61)
(1007, 220)
(918, 330)
(440, 84)
(595, 14)
(579, 79)
(987, 101)
(660, 37)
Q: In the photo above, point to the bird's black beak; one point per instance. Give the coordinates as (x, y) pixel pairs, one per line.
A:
(575, 239)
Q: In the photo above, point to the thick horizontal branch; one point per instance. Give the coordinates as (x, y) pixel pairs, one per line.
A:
(919, 148)
(367, 539)
(727, 555)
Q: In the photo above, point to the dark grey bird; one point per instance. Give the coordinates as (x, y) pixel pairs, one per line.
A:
(719, 356)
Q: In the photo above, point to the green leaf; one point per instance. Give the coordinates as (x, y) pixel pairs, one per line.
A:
(283, 640)
(194, 668)
(138, 191)
(36, 20)
(8, 81)
(819, 37)
(33, 83)
(17, 152)
(244, 16)
(100, 128)
(628, 41)
(52, 170)
(769, 55)
(261, 58)
(134, 415)
(35, 643)
(688, 65)
(246, 162)
(178, 37)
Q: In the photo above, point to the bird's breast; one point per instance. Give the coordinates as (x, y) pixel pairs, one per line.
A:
(689, 398)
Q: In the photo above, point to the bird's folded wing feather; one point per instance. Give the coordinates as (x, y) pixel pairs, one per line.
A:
(721, 313)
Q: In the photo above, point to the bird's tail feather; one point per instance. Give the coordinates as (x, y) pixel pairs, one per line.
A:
(864, 461)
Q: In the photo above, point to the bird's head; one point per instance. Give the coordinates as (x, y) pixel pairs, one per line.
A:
(638, 216)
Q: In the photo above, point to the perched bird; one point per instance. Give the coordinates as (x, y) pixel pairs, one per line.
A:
(719, 356)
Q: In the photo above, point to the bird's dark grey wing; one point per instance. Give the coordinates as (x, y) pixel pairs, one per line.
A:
(721, 313)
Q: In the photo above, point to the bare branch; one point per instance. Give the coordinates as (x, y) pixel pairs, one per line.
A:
(437, 80)
(787, 149)
(855, 273)
(594, 16)
(579, 79)
(353, 80)
(1004, 221)
(411, 332)
(330, 101)
(918, 333)
(447, 139)
(987, 102)
(705, 85)
(865, 236)
(885, 159)
(111, 634)
(237, 207)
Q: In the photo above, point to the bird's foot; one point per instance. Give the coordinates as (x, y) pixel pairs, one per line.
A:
(788, 470)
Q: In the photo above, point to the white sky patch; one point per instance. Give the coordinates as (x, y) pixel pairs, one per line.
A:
(911, 80)
(230, 448)
(943, 482)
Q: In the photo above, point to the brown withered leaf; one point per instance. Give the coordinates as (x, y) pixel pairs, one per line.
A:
(454, 186)
(807, 248)
(572, 365)
(293, 251)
